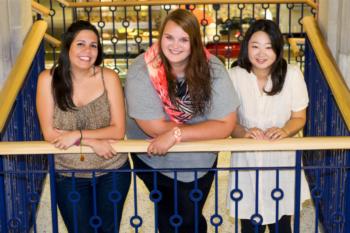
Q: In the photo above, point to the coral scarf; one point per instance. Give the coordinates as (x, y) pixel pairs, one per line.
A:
(157, 75)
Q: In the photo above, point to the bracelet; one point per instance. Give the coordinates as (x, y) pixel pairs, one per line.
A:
(82, 157)
(81, 135)
(177, 134)
(78, 141)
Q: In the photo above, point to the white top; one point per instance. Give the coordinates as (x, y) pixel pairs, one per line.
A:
(262, 111)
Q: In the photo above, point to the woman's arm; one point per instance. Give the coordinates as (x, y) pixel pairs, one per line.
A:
(292, 126)
(64, 139)
(239, 131)
(45, 106)
(211, 129)
(154, 128)
(254, 133)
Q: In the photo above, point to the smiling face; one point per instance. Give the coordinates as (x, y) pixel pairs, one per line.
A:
(83, 50)
(260, 52)
(175, 44)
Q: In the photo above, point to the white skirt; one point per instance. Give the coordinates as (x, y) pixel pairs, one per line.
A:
(264, 205)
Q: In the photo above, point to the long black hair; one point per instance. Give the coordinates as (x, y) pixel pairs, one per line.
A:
(62, 87)
(279, 67)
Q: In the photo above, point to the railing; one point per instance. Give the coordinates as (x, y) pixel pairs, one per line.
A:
(219, 220)
(139, 217)
(327, 170)
(18, 122)
(329, 102)
(130, 27)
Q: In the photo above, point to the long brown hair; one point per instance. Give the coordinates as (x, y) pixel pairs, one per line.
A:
(197, 72)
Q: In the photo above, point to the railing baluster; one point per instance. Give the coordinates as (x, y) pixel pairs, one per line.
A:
(155, 196)
(236, 200)
(256, 218)
(176, 219)
(150, 26)
(101, 24)
(275, 195)
(278, 12)
(53, 199)
(216, 219)
(297, 192)
(136, 220)
(3, 207)
(114, 39)
(289, 7)
(337, 203)
(316, 196)
(95, 220)
(195, 197)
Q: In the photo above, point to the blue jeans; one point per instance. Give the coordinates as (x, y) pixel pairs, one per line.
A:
(87, 206)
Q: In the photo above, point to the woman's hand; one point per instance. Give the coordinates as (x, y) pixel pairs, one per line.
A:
(276, 133)
(102, 148)
(161, 144)
(256, 133)
(66, 139)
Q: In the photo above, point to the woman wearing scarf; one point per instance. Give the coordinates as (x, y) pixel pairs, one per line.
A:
(177, 92)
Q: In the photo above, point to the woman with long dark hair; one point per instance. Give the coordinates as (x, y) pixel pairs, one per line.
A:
(81, 103)
(176, 92)
(274, 99)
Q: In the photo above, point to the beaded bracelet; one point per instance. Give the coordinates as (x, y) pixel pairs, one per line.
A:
(82, 157)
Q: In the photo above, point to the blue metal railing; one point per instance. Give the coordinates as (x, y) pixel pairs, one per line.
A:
(21, 176)
(129, 30)
(20, 187)
(329, 186)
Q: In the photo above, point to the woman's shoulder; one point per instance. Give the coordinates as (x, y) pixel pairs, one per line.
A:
(110, 78)
(238, 72)
(108, 73)
(217, 68)
(294, 72)
(137, 69)
(46, 72)
(45, 76)
(214, 60)
(138, 65)
(293, 68)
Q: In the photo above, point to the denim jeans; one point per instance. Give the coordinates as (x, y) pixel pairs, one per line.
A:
(93, 206)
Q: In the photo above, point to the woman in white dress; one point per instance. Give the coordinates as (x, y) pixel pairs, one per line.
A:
(274, 99)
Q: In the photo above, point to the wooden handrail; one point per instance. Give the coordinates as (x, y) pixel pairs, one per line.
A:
(329, 67)
(71, 4)
(52, 40)
(20, 69)
(294, 42)
(40, 9)
(306, 143)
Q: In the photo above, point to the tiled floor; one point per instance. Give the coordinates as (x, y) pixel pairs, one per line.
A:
(145, 209)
